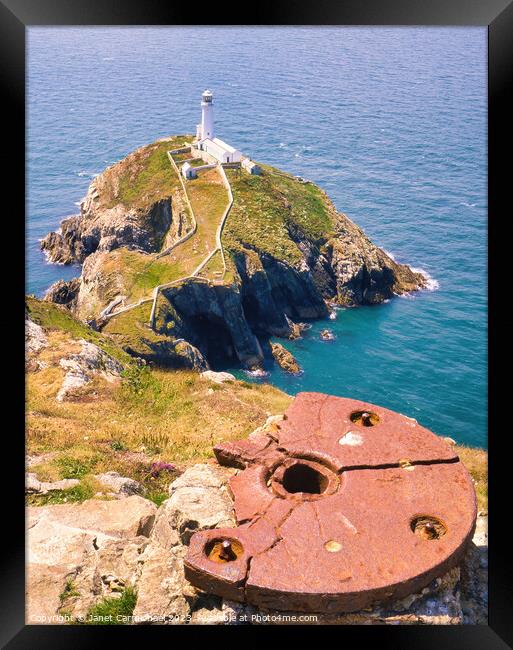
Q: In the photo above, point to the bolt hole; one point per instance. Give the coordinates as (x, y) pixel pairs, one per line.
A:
(223, 550)
(302, 478)
(428, 527)
(364, 418)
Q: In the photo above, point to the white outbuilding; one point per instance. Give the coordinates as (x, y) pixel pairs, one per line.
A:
(250, 166)
(188, 171)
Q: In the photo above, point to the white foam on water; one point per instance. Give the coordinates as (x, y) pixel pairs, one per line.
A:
(390, 255)
(256, 373)
(431, 283)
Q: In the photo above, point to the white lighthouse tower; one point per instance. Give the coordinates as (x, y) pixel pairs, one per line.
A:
(214, 148)
(205, 130)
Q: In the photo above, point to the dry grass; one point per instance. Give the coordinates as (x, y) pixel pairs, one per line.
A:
(172, 416)
(476, 461)
(147, 415)
(140, 273)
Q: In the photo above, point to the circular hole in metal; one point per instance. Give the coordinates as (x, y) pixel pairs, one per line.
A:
(303, 478)
(428, 527)
(364, 418)
(223, 550)
(333, 546)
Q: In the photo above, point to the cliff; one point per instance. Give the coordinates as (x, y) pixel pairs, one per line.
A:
(288, 254)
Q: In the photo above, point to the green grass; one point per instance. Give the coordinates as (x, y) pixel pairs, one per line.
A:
(77, 494)
(112, 611)
(131, 325)
(213, 268)
(146, 176)
(309, 207)
(197, 162)
(146, 273)
(131, 331)
(266, 206)
(71, 467)
(68, 592)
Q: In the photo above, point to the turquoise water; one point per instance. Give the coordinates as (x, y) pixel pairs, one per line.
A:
(391, 122)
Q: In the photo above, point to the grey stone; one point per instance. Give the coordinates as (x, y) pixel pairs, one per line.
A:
(118, 484)
(217, 377)
(34, 486)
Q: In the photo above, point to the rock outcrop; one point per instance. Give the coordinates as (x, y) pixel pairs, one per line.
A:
(284, 358)
(82, 367)
(107, 221)
(217, 377)
(35, 341)
(64, 293)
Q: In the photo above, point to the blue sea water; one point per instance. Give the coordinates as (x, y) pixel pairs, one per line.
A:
(391, 122)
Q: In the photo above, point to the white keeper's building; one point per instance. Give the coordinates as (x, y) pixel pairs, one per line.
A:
(205, 140)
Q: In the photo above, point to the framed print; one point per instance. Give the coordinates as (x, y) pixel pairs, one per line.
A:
(258, 270)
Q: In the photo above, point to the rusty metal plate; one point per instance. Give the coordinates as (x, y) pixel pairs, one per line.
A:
(329, 526)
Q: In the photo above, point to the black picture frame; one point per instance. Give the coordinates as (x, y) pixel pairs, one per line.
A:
(15, 16)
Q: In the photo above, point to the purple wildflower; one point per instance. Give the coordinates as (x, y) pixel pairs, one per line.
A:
(160, 466)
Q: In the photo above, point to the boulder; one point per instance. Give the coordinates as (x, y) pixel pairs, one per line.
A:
(217, 377)
(35, 341)
(54, 543)
(34, 486)
(198, 500)
(120, 485)
(44, 587)
(115, 565)
(127, 518)
(162, 588)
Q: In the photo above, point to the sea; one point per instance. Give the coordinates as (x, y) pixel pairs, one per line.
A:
(390, 121)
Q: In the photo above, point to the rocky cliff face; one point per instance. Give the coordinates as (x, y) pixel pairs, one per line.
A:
(111, 216)
(271, 288)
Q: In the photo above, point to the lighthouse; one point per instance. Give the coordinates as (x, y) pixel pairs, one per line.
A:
(214, 148)
(205, 130)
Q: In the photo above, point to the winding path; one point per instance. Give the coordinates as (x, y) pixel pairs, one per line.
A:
(107, 312)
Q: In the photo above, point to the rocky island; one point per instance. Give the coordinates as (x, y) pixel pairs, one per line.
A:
(187, 274)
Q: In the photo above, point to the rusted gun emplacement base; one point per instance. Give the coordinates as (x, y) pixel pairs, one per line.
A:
(344, 504)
